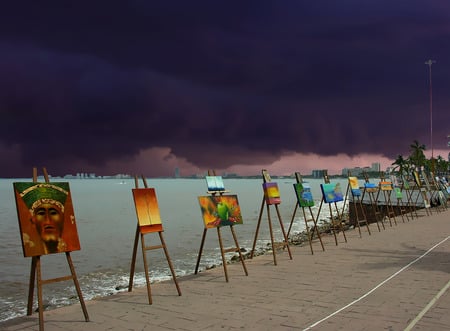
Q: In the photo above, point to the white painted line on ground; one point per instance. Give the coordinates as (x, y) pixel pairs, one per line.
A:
(376, 287)
(430, 304)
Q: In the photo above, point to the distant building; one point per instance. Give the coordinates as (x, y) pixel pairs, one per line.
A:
(357, 171)
(177, 172)
(318, 173)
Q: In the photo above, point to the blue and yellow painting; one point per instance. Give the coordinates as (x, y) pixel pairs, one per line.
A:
(332, 192)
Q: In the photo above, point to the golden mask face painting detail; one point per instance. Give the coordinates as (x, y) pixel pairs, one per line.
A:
(46, 218)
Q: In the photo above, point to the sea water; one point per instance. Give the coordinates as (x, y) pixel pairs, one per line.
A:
(106, 224)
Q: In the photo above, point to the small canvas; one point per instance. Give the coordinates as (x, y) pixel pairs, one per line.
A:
(215, 183)
(385, 186)
(304, 195)
(271, 193)
(417, 178)
(354, 186)
(332, 192)
(147, 210)
(266, 176)
(371, 187)
(46, 218)
(220, 210)
(405, 183)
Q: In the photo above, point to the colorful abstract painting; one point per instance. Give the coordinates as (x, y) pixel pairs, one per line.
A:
(398, 193)
(354, 186)
(147, 210)
(46, 218)
(332, 192)
(370, 187)
(271, 193)
(385, 185)
(417, 178)
(304, 195)
(215, 183)
(220, 210)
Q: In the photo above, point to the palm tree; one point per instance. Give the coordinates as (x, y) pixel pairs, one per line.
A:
(417, 156)
(401, 164)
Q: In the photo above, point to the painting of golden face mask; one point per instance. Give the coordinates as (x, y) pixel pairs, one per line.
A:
(46, 218)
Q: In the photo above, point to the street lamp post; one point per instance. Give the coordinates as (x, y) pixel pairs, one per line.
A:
(429, 63)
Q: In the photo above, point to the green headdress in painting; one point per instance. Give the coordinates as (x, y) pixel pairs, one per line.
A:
(35, 194)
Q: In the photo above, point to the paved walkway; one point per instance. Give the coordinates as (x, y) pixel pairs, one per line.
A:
(396, 279)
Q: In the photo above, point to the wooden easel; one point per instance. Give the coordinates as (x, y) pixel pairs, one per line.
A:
(422, 193)
(141, 231)
(335, 223)
(409, 198)
(386, 188)
(434, 191)
(36, 274)
(356, 202)
(235, 249)
(307, 220)
(399, 197)
(285, 243)
(373, 200)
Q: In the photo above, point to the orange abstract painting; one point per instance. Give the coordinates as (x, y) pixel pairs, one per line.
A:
(147, 209)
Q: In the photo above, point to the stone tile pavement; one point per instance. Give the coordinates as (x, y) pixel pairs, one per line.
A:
(396, 279)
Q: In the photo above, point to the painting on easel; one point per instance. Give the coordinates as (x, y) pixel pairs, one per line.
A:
(385, 186)
(220, 210)
(354, 186)
(215, 183)
(332, 192)
(304, 195)
(271, 193)
(147, 209)
(46, 218)
(371, 187)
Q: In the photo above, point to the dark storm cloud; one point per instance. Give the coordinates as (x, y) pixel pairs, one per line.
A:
(219, 83)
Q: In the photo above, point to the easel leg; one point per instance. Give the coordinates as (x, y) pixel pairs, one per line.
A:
(308, 233)
(257, 227)
(286, 242)
(77, 286)
(147, 276)
(201, 250)
(31, 285)
(224, 262)
(364, 216)
(316, 229)
(172, 270)
(39, 290)
(239, 250)
(133, 259)
(292, 219)
(333, 225)
(271, 236)
(357, 217)
(340, 221)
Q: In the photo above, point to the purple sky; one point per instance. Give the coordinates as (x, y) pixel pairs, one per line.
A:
(142, 87)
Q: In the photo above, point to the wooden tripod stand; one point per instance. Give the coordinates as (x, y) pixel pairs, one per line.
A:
(149, 221)
(36, 276)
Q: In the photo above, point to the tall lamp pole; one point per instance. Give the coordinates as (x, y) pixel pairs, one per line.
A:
(429, 63)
